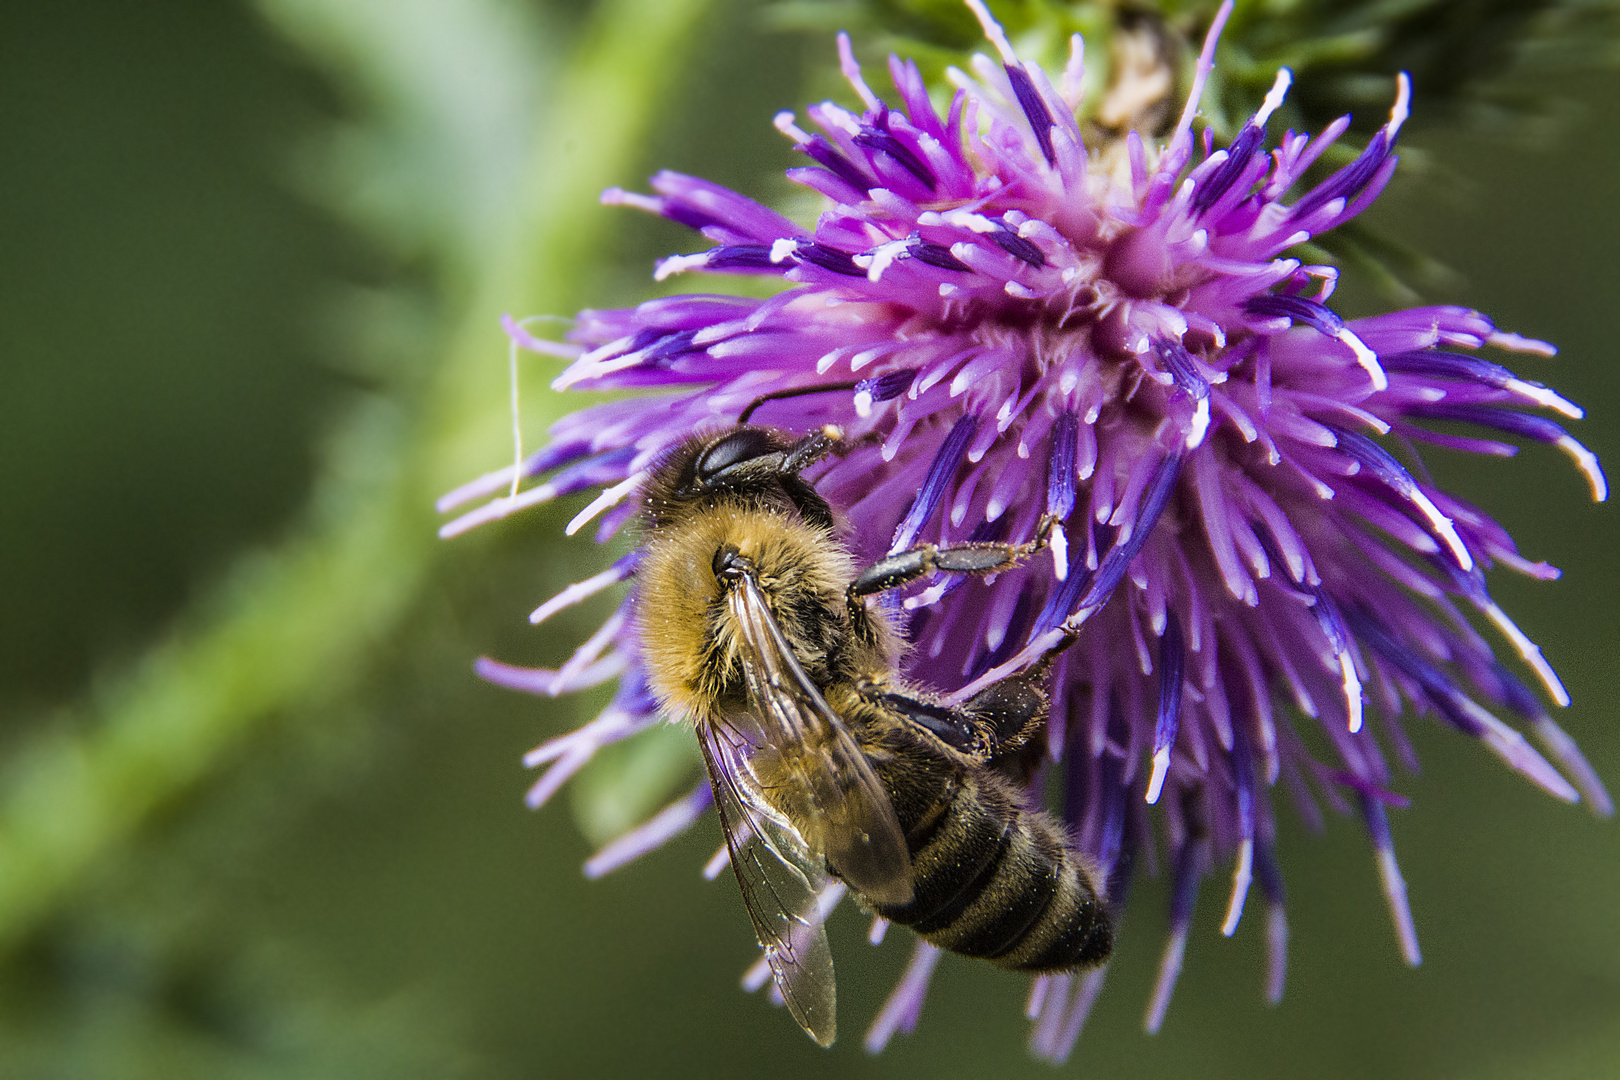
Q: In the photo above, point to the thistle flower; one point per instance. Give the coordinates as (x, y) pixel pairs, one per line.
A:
(1254, 579)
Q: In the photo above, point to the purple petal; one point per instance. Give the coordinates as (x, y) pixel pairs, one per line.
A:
(946, 461)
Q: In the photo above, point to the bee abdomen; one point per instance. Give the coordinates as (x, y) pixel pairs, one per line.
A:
(954, 856)
(1074, 929)
(1074, 932)
(994, 881)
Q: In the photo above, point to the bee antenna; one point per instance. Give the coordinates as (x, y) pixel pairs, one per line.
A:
(811, 449)
(799, 391)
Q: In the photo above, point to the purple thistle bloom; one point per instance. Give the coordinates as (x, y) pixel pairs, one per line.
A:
(1007, 324)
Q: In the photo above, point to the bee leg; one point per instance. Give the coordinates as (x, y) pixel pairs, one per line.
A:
(902, 567)
(998, 720)
(1007, 714)
(954, 727)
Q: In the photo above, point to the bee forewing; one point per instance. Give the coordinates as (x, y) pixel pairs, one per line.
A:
(863, 842)
(808, 989)
(845, 814)
(781, 884)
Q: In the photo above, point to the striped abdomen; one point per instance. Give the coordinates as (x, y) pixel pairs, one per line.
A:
(997, 881)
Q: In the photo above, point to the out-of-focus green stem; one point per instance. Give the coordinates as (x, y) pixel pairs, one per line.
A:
(297, 620)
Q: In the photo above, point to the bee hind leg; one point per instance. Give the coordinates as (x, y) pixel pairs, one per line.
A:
(1009, 713)
(954, 727)
(997, 721)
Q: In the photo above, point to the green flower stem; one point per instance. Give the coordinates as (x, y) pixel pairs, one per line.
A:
(295, 623)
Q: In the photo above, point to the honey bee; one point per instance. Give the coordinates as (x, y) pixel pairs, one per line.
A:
(826, 765)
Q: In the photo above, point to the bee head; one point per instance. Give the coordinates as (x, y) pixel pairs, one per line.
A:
(735, 459)
(753, 464)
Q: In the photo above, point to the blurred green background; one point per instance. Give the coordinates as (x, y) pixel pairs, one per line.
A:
(258, 819)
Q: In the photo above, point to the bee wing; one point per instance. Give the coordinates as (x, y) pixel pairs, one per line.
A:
(781, 884)
(812, 763)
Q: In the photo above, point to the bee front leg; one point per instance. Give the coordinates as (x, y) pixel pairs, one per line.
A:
(903, 567)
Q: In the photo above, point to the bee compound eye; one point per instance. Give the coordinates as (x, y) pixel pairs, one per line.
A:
(734, 449)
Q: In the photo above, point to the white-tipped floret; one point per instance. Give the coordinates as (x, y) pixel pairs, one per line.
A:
(1399, 111)
(1161, 769)
(1274, 97)
(786, 123)
(1400, 910)
(1242, 876)
(852, 71)
(610, 497)
(1352, 689)
(1528, 651)
(1587, 462)
(1365, 357)
(992, 31)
